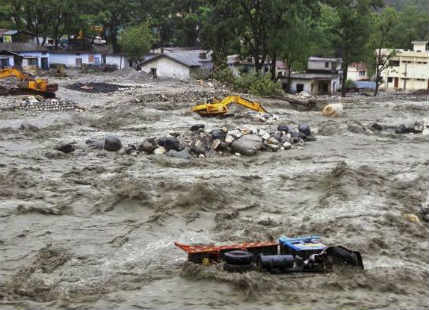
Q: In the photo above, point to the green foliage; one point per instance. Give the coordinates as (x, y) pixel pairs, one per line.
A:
(350, 84)
(136, 41)
(264, 86)
(224, 75)
(258, 85)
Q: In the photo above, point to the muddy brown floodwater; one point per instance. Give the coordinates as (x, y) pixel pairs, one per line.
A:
(96, 230)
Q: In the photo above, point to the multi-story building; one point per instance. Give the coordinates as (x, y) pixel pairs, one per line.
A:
(358, 72)
(322, 77)
(408, 69)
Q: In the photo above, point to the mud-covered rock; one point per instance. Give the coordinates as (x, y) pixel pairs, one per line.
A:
(170, 143)
(197, 127)
(304, 129)
(66, 147)
(112, 143)
(184, 154)
(148, 146)
(247, 145)
(218, 134)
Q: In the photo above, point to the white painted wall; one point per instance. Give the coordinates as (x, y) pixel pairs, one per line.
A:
(37, 55)
(320, 65)
(312, 86)
(167, 68)
(69, 60)
(119, 61)
(306, 83)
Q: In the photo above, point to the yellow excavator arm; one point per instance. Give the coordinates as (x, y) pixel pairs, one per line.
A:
(29, 83)
(221, 107)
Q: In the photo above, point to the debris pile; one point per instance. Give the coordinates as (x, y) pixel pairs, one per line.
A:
(38, 103)
(190, 96)
(197, 142)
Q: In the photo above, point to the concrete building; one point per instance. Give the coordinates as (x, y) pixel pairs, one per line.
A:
(8, 59)
(408, 69)
(322, 77)
(177, 63)
(358, 72)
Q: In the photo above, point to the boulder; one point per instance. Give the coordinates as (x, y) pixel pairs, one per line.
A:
(247, 145)
(199, 147)
(170, 143)
(160, 150)
(112, 143)
(377, 126)
(284, 128)
(287, 145)
(229, 139)
(197, 127)
(66, 147)
(305, 129)
(219, 134)
(184, 154)
(148, 146)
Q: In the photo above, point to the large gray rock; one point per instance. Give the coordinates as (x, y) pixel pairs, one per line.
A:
(184, 154)
(247, 145)
(148, 146)
(112, 143)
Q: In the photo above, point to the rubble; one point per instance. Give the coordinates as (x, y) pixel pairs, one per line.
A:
(40, 104)
(237, 141)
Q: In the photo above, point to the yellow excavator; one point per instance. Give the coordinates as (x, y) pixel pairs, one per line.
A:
(220, 107)
(30, 84)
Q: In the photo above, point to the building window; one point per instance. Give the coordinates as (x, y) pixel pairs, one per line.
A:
(394, 63)
(299, 88)
(4, 62)
(327, 64)
(362, 73)
(32, 61)
(389, 80)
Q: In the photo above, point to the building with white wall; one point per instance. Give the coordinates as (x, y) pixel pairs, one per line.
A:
(358, 72)
(408, 69)
(177, 64)
(322, 77)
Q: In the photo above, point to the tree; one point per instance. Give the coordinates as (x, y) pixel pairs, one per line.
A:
(349, 30)
(220, 31)
(31, 17)
(114, 15)
(136, 41)
(382, 36)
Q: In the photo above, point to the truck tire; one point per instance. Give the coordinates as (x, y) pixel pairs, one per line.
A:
(237, 268)
(238, 257)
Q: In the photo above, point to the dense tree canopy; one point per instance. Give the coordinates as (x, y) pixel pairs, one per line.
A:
(261, 30)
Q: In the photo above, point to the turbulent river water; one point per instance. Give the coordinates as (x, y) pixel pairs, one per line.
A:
(96, 229)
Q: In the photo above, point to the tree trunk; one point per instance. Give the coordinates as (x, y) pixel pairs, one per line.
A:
(377, 80)
(289, 78)
(273, 67)
(114, 40)
(345, 68)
